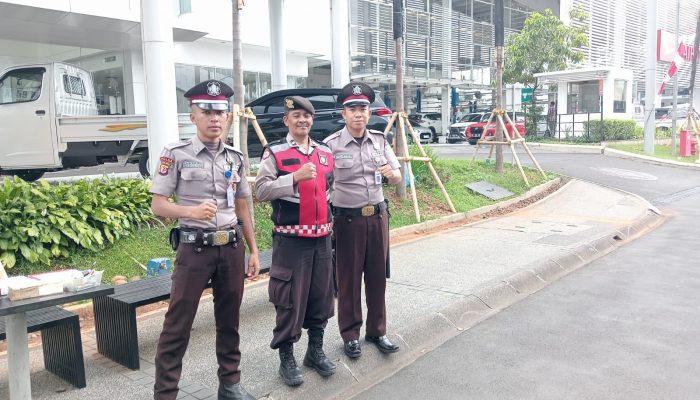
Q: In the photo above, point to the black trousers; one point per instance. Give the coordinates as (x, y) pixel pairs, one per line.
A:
(301, 286)
(225, 266)
(361, 249)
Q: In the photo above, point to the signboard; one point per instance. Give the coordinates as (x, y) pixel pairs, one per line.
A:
(526, 95)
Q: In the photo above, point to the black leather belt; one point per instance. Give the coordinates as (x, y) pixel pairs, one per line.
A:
(214, 238)
(366, 211)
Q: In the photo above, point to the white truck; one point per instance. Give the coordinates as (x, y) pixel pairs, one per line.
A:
(49, 122)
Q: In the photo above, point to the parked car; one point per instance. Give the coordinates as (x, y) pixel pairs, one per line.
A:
(432, 121)
(478, 130)
(269, 110)
(458, 130)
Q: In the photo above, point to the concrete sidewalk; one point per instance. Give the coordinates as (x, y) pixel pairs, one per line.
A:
(441, 284)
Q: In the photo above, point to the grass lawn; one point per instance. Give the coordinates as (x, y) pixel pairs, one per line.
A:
(660, 151)
(126, 256)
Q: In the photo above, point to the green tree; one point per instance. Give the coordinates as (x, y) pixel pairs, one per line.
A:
(545, 44)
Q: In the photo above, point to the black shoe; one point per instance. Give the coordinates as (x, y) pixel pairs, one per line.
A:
(315, 357)
(233, 392)
(289, 371)
(353, 349)
(383, 343)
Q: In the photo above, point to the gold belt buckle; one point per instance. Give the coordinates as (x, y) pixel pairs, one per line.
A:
(367, 211)
(220, 238)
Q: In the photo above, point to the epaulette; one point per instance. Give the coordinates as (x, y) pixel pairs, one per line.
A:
(175, 145)
(229, 147)
(376, 132)
(277, 145)
(332, 136)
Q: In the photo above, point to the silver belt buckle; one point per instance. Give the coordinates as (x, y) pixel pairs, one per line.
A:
(220, 238)
(367, 211)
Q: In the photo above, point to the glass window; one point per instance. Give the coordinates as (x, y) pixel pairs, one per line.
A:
(583, 98)
(275, 105)
(185, 6)
(73, 85)
(21, 85)
(323, 101)
(620, 96)
(482, 11)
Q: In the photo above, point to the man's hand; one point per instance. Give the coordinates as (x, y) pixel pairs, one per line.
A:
(253, 265)
(386, 170)
(306, 172)
(204, 211)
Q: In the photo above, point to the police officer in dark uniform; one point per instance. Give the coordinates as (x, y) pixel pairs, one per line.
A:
(363, 158)
(296, 175)
(206, 176)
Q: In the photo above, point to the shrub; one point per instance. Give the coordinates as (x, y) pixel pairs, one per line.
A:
(39, 221)
(613, 129)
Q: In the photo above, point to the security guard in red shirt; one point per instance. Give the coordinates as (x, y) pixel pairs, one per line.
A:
(363, 158)
(296, 175)
(206, 176)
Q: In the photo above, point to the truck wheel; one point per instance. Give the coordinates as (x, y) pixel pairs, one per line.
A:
(29, 175)
(143, 165)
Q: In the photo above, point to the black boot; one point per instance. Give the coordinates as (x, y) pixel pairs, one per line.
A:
(233, 392)
(315, 357)
(289, 371)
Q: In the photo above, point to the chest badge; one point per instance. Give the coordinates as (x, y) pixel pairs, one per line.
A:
(322, 159)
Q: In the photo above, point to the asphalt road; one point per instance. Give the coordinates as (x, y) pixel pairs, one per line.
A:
(624, 327)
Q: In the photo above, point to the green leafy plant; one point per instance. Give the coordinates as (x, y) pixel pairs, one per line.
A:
(612, 129)
(39, 221)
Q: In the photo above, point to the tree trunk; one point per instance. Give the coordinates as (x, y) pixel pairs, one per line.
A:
(239, 90)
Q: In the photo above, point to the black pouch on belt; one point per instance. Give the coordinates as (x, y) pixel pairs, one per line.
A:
(174, 238)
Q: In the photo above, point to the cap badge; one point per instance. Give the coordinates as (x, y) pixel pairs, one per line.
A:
(356, 90)
(290, 103)
(213, 89)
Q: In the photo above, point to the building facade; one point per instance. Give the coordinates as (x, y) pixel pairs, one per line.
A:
(617, 38)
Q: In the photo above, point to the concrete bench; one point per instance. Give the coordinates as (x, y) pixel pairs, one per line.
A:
(60, 340)
(116, 330)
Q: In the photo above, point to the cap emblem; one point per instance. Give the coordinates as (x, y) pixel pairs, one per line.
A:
(289, 103)
(356, 90)
(213, 89)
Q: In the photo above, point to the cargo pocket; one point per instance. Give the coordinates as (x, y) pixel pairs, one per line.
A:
(280, 287)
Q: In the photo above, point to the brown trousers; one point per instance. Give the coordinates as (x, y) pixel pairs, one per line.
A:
(225, 266)
(361, 247)
(301, 286)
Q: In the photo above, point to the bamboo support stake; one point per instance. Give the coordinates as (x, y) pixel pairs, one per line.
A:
(413, 158)
(430, 166)
(390, 124)
(249, 114)
(236, 125)
(527, 149)
(410, 174)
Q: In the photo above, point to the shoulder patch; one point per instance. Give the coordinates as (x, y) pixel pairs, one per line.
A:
(265, 154)
(165, 164)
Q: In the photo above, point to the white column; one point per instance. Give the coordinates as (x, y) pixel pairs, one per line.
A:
(446, 109)
(278, 50)
(650, 79)
(340, 28)
(134, 85)
(158, 61)
(18, 357)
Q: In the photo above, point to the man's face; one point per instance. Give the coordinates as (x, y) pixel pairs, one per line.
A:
(356, 117)
(210, 123)
(298, 122)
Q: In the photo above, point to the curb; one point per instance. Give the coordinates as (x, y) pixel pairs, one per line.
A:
(568, 148)
(607, 151)
(457, 217)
